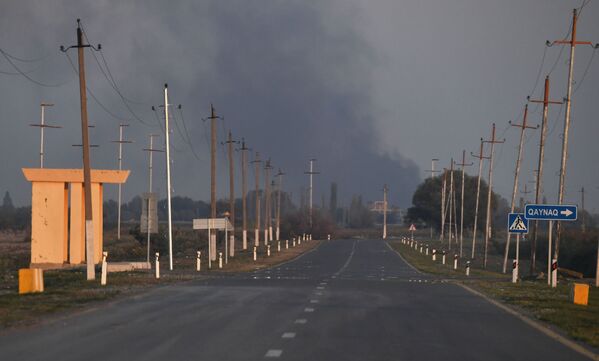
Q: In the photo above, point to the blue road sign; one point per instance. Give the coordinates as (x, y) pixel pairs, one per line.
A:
(551, 212)
(516, 223)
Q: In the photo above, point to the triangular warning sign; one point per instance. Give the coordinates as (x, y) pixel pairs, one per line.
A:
(518, 224)
(412, 227)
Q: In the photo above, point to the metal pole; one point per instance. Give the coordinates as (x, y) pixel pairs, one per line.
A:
(442, 236)
(231, 192)
(311, 174)
(450, 202)
(168, 178)
(244, 190)
(385, 190)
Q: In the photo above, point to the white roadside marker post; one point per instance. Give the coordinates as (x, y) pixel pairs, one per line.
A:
(268, 250)
(157, 267)
(553, 273)
(467, 268)
(455, 261)
(514, 271)
(426, 250)
(443, 257)
(104, 268)
(199, 261)
(299, 241)
(434, 254)
(279, 246)
(286, 244)
(255, 253)
(220, 259)
(328, 237)
(294, 242)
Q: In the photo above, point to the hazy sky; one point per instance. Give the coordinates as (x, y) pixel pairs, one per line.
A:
(373, 89)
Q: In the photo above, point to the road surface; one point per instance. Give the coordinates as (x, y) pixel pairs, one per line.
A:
(345, 300)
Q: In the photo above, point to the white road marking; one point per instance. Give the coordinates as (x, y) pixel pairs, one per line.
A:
(308, 309)
(273, 353)
(288, 335)
(301, 321)
(320, 288)
(313, 301)
(318, 293)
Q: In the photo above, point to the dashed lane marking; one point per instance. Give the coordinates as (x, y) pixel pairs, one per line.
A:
(301, 321)
(273, 353)
(308, 309)
(288, 335)
(313, 301)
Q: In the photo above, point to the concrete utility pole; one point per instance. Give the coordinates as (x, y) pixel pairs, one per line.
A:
(451, 200)
(432, 171)
(311, 173)
(493, 141)
(212, 237)
(120, 142)
(244, 191)
(257, 162)
(150, 151)
(231, 194)
(168, 177)
(463, 165)
(539, 177)
(89, 231)
(442, 236)
(480, 171)
(385, 190)
(584, 228)
(43, 125)
(267, 204)
(523, 128)
(562, 174)
(280, 177)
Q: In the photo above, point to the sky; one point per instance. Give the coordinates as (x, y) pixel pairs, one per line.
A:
(372, 89)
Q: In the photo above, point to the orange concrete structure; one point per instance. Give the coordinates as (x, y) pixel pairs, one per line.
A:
(31, 280)
(55, 240)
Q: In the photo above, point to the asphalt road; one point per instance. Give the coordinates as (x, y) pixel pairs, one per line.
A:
(345, 300)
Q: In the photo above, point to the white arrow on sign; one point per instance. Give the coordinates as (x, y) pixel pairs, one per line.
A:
(566, 213)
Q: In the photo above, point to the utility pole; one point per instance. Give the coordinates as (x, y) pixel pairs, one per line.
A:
(432, 171)
(257, 162)
(150, 151)
(584, 228)
(231, 194)
(212, 237)
(267, 204)
(493, 141)
(463, 165)
(523, 128)
(280, 177)
(89, 228)
(168, 177)
(442, 236)
(480, 171)
(385, 190)
(120, 142)
(451, 199)
(523, 197)
(562, 174)
(244, 191)
(43, 125)
(311, 173)
(539, 177)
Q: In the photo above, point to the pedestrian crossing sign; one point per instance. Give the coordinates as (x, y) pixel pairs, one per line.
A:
(516, 223)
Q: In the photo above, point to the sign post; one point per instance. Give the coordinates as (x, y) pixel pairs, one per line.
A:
(412, 229)
(516, 223)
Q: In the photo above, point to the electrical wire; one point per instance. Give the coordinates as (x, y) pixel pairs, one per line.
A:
(586, 70)
(24, 74)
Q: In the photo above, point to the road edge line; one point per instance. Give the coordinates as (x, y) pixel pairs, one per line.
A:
(403, 259)
(573, 345)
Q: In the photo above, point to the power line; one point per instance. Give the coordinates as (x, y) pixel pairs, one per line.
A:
(24, 74)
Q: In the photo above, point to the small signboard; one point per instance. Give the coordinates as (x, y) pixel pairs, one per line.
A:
(551, 212)
(212, 223)
(516, 223)
(149, 206)
(412, 227)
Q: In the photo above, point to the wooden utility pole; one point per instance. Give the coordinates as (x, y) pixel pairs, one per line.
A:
(463, 165)
(244, 191)
(562, 174)
(150, 151)
(280, 177)
(257, 162)
(385, 190)
(311, 172)
(523, 128)
(89, 231)
(539, 177)
(451, 200)
(267, 204)
(213, 119)
(493, 141)
(120, 142)
(231, 195)
(42, 125)
(480, 171)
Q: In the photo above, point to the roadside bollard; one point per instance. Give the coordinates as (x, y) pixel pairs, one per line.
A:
(443, 257)
(554, 273)
(426, 250)
(254, 253)
(157, 267)
(279, 246)
(514, 271)
(268, 250)
(420, 248)
(286, 244)
(294, 241)
(299, 241)
(434, 254)
(220, 260)
(328, 237)
(467, 268)
(455, 261)
(199, 261)
(104, 270)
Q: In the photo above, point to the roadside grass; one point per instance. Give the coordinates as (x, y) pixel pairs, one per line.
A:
(67, 290)
(530, 297)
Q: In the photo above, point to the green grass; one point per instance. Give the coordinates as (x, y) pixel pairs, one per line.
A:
(534, 298)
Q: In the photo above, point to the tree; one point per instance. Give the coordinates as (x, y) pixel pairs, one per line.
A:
(333, 202)
(7, 202)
